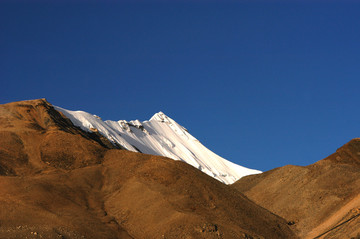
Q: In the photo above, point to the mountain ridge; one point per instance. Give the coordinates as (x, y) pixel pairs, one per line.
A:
(62, 182)
(161, 135)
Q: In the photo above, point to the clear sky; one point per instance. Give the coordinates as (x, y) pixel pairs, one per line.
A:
(263, 84)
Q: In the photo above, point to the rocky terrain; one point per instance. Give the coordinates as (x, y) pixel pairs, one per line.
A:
(57, 181)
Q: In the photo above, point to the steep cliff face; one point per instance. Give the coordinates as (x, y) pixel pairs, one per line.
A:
(57, 181)
(316, 198)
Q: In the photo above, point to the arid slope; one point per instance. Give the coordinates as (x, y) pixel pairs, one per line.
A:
(316, 198)
(60, 182)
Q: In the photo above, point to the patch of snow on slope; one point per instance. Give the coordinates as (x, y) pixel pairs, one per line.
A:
(161, 135)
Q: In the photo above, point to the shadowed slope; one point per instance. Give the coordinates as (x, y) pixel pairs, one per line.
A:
(60, 182)
(315, 198)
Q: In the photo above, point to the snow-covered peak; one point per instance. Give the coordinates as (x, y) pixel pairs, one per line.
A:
(161, 135)
(161, 117)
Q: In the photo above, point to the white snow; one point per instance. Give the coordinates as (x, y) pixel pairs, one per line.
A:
(161, 135)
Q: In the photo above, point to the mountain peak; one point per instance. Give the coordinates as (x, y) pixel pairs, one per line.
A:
(160, 116)
(161, 135)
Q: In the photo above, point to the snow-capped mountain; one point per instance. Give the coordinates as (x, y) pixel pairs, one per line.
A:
(161, 135)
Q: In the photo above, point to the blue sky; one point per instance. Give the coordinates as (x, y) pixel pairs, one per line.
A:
(261, 83)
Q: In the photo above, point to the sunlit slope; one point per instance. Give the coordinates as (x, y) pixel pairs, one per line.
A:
(161, 135)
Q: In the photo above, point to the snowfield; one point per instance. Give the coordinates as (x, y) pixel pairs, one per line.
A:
(162, 136)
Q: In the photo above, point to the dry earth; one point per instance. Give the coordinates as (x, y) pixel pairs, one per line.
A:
(322, 199)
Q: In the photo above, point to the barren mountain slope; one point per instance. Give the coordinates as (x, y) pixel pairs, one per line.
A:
(60, 182)
(316, 198)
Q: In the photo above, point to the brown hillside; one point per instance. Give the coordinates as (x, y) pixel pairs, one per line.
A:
(317, 198)
(57, 181)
